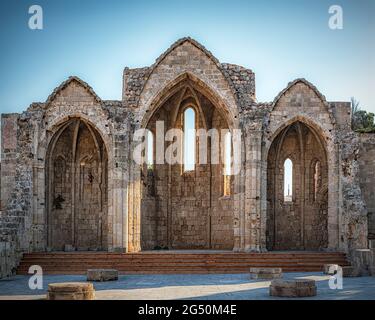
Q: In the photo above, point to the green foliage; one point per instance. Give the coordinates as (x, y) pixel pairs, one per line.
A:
(362, 121)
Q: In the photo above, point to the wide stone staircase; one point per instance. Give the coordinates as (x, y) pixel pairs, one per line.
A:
(170, 262)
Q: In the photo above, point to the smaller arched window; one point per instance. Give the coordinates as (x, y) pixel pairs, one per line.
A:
(227, 162)
(288, 180)
(150, 150)
(189, 139)
(317, 179)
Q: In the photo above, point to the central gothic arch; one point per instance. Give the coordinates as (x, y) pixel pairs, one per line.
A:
(193, 209)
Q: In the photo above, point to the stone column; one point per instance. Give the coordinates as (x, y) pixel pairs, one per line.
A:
(134, 200)
(39, 214)
(334, 197)
(353, 217)
(134, 209)
(253, 166)
(238, 203)
(263, 201)
(119, 186)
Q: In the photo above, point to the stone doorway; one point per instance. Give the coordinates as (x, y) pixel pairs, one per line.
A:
(297, 190)
(77, 174)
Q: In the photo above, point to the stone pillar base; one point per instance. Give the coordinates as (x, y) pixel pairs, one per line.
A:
(349, 271)
(102, 275)
(265, 273)
(363, 261)
(293, 288)
(71, 291)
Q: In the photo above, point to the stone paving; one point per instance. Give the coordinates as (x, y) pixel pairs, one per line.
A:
(200, 287)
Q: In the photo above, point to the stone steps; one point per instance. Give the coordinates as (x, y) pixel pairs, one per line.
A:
(168, 263)
(143, 256)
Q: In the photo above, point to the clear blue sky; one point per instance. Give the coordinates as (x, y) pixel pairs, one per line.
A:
(95, 40)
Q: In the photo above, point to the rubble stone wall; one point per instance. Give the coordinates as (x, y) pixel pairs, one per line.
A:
(367, 177)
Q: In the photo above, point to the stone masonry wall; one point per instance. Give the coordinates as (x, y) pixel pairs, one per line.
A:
(347, 223)
(15, 219)
(353, 217)
(186, 210)
(23, 218)
(301, 221)
(164, 207)
(8, 157)
(366, 158)
(300, 101)
(77, 177)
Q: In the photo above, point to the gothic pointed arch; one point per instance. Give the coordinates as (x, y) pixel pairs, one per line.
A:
(297, 219)
(173, 65)
(189, 85)
(77, 188)
(191, 203)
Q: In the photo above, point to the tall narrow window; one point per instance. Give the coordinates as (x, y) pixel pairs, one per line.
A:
(227, 162)
(150, 150)
(317, 179)
(288, 180)
(189, 139)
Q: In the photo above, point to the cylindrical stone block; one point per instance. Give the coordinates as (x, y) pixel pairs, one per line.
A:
(349, 271)
(71, 291)
(293, 288)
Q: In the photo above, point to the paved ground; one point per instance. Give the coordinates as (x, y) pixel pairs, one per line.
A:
(202, 287)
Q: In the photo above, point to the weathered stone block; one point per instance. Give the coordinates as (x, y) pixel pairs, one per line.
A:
(362, 261)
(265, 273)
(71, 291)
(350, 271)
(293, 288)
(102, 275)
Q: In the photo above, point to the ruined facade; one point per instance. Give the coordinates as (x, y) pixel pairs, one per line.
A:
(69, 180)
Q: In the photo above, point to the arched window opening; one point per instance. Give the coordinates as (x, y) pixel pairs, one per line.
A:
(189, 139)
(288, 180)
(227, 162)
(150, 150)
(317, 179)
